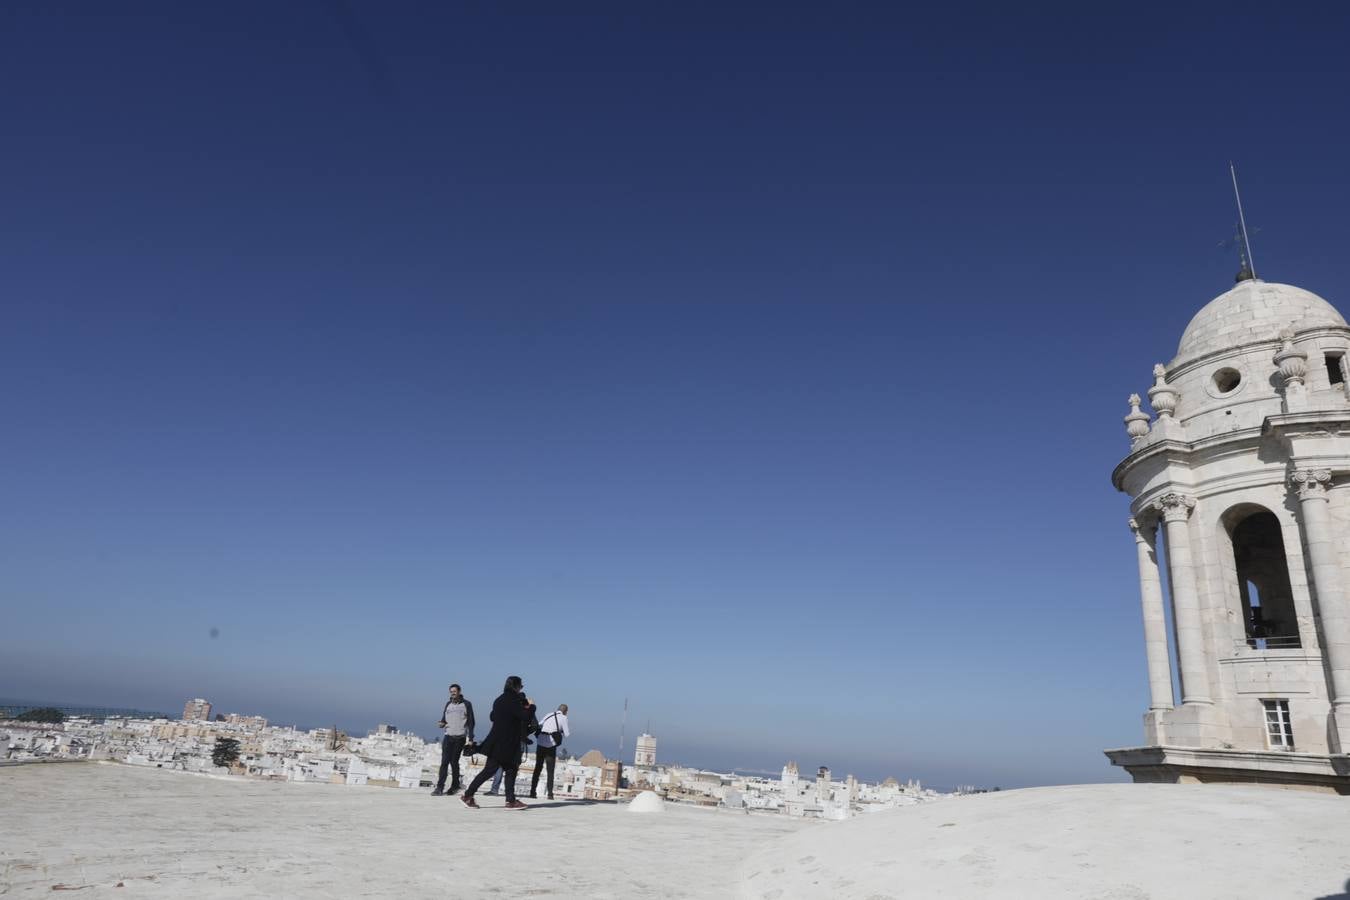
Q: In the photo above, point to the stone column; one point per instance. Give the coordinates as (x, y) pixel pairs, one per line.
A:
(1312, 487)
(1176, 509)
(1155, 624)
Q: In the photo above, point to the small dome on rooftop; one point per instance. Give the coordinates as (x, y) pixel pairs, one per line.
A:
(1251, 312)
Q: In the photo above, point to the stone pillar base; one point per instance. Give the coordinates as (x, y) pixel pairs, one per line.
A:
(1194, 725)
(1338, 728)
(1155, 731)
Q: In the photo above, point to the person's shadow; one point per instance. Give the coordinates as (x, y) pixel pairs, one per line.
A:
(1345, 895)
(554, 804)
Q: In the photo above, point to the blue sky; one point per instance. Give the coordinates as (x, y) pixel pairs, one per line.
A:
(764, 365)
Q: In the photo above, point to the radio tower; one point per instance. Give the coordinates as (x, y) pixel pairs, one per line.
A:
(623, 724)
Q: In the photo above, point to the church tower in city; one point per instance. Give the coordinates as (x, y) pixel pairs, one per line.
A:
(1239, 486)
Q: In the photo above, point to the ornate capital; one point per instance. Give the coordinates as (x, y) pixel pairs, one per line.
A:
(1142, 528)
(1174, 507)
(1311, 484)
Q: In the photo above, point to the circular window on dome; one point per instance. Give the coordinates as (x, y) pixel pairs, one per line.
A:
(1226, 380)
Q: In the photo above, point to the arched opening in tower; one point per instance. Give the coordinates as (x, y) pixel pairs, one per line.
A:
(1263, 581)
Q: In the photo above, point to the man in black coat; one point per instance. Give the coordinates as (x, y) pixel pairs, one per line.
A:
(512, 714)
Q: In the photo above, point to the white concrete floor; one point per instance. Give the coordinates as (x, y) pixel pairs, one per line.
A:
(1082, 842)
(92, 827)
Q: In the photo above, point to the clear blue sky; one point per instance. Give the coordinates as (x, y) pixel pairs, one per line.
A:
(762, 364)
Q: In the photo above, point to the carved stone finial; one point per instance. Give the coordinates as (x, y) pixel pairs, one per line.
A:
(1174, 507)
(1311, 483)
(1162, 397)
(1136, 423)
(1292, 362)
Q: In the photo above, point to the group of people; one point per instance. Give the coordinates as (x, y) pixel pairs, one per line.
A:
(514, 723)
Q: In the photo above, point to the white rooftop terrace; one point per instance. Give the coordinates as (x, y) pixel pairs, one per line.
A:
(92, 827)
(1077, 842)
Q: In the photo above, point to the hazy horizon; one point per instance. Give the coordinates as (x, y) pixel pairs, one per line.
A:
(571, 746)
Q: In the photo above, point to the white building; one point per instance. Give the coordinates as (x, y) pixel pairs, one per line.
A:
(644, 757)
(1241, 479)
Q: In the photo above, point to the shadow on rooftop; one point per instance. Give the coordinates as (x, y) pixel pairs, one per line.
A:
(1344, 895)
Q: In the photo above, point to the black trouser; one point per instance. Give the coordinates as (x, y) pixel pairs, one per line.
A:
(509, 777)
(544, 756)
(451, 747)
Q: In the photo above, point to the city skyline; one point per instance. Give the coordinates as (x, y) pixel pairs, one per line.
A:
(765, 367)
(633, 748)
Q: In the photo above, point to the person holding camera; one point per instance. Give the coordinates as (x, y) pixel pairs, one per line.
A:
(457, 723)
(551, 733)
(512, 716)
(528, 729)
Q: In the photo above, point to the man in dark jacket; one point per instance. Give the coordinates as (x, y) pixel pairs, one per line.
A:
(512, 714)
(457, 723)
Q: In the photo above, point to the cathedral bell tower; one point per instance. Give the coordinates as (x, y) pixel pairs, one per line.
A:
(1239, 486)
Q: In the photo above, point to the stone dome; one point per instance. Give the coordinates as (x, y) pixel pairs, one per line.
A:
(1251, 312)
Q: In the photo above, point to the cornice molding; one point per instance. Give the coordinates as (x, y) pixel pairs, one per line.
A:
(1174, 450)
(1327, 421)
(1274, 344)
(1201, 450)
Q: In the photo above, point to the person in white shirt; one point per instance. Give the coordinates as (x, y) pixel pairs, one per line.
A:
(552, 730)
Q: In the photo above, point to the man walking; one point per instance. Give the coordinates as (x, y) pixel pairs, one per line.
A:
(457, 722)
(527, 729)
(512, 713)
(551, 732)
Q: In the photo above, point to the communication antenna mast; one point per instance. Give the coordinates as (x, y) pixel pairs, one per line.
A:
(623, 725)
(1250, 264)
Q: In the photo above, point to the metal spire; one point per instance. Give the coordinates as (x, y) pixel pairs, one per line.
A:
(1248, 270)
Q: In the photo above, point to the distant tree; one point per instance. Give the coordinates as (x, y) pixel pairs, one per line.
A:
(220, 717)
(45, 714)
(225, 752)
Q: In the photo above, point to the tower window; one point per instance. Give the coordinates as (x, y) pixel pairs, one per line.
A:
(1335, 374)
(1226, 380)
(1279, 730)
(1263, 582)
